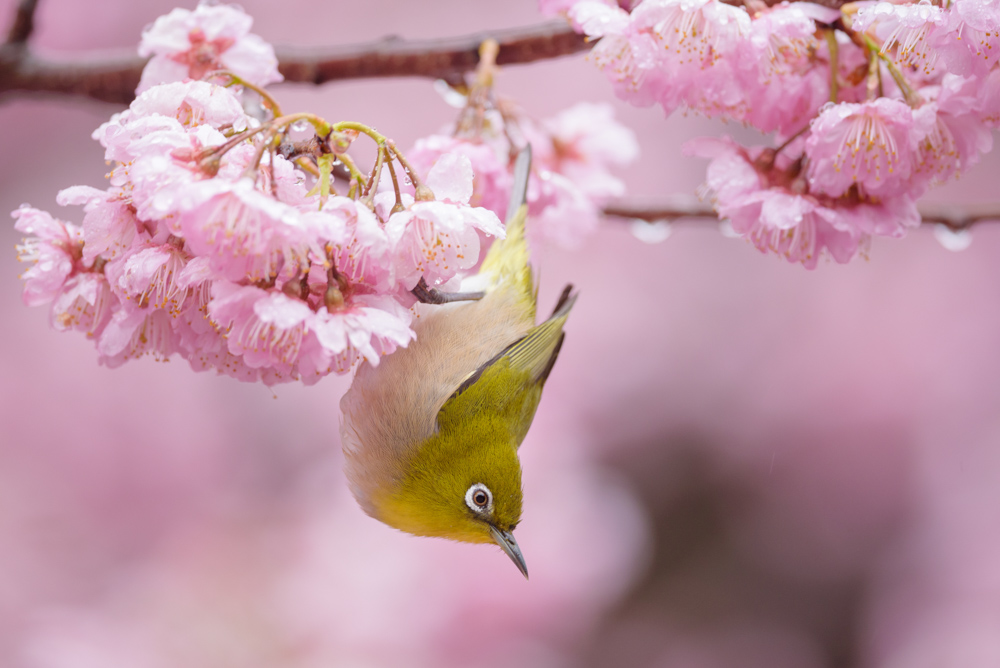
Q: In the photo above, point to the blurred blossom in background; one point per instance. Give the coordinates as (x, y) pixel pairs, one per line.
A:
(737, 463)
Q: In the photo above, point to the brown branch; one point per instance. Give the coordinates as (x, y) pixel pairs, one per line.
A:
(111, 78)
(24, 22)
(951, 216)
(114, 77)
(436, 59)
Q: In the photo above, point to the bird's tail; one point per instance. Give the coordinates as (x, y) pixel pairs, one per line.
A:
(507, 260)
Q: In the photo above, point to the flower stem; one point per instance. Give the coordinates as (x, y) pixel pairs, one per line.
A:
(377, 136)
(375, 175)
(407, 167)
(267, 98)
(831, 43)
(874, 83)
(909, 94)
(352, 167)
(325, 164)
(395, 180)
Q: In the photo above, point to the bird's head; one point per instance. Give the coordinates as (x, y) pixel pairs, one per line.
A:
(469, 494)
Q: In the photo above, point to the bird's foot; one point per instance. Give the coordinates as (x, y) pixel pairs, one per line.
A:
(428, 295)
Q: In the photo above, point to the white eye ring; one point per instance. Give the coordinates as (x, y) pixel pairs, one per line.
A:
(474, 498)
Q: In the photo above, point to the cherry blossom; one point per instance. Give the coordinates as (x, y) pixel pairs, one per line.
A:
(573, 155)
(437, 239)
(84, 304)
(187, 44)
(214, 242)
(110, 224)
(866, 145)
(909, 32)
(53, 249)
(767, 201)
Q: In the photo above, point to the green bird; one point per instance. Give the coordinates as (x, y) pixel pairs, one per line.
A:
(430, 436)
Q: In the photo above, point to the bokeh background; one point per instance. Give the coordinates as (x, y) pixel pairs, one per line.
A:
(737, 463)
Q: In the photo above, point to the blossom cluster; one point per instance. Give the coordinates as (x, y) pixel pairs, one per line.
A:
(222, 239)
(871, 104)
(573, 154)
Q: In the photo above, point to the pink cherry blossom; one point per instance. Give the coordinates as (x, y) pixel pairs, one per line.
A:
(166, 167)
(246, 233)
(274, 331)
(950, 133)
(585, 141)
(361, 249)
(559, 211)
(84, 304)
(53, 250)
(868, 145)
(696, 41)
(134, 332)
(366, 326)
(988, 100)
(972, 42)
(791, 80)
(119, 134)
(491, 179)
(110, 224)
(572, 157)
(766, 203)
(627, 53)
(192, 103)
(148, 275)
(909, 31)
(773, 219)
(437, 239)
(264, 329)
(188, 44)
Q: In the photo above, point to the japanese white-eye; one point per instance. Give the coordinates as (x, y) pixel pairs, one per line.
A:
(430, 435)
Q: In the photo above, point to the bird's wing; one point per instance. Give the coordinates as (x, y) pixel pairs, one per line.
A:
(509, 385)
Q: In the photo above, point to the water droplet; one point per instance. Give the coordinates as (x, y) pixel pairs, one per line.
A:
(406, 181)
(300, 126)
(953, 240)
(450, 96)
(654, 232)
(726, 229)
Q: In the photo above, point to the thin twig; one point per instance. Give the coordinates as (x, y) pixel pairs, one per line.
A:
(24, 22)
(951, 216)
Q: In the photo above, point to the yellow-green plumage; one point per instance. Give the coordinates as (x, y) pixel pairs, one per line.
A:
(449, 412)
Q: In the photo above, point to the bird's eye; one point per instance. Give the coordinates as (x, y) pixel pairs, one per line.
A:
(479, 498)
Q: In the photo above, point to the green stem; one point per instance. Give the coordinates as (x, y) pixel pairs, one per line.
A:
(325, 164)
(909, 94)
(352, 167)
(235, 80)
(362, 128)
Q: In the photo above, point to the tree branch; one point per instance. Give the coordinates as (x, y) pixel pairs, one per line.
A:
(114, 77)
(24, 22)
(951, 216)
(436, 59)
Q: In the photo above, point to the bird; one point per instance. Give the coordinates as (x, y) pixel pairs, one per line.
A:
(431, 434)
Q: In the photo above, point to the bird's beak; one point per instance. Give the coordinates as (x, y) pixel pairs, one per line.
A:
(505, 540)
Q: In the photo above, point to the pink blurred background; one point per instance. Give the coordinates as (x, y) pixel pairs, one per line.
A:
(737, 462)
